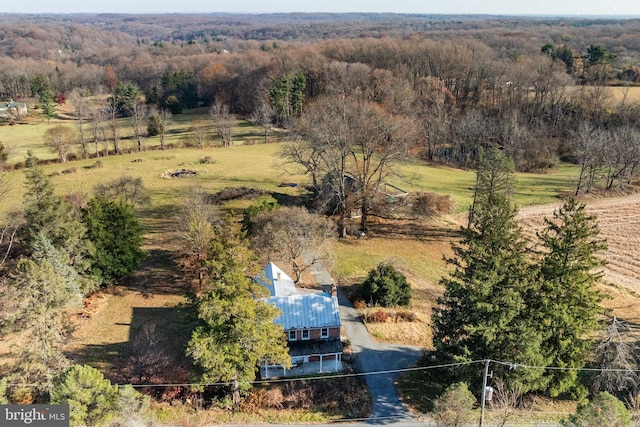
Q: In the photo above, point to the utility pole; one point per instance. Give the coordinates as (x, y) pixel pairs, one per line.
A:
(484, 390)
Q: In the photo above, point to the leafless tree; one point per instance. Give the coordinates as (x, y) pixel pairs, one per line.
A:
(199, 134)
(294, 235)
(223, 122)
(81, 106)
(9, 227)
(149, 356)
(621, 156)
(323, 149)
(139, 112)
(379, 139)
(112, 114)
(590, 143)
(60, 139)
(618, 359)
(505, 401)
(98, 118)
(263, 117)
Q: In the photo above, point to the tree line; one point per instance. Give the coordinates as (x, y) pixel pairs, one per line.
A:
(56, 251)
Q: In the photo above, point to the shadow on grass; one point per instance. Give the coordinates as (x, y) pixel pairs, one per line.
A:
(289, 200)
(153, 332)
(157, 275)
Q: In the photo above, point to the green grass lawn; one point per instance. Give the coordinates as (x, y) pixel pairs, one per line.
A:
(531, 189)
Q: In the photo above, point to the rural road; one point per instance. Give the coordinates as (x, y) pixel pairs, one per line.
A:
(374, 357)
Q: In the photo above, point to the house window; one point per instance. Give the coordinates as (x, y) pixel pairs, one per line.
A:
(305, 334)
(324, 333)
(292, 336)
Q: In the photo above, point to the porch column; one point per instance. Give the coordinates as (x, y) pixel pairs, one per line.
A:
(321, 363)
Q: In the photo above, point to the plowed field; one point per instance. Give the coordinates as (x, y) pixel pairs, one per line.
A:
(619, 221)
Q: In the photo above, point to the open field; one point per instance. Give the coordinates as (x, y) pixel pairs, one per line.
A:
(619, 221)
(30, 136)
(616, 95)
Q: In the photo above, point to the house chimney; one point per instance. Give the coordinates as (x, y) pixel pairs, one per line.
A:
(278, 276)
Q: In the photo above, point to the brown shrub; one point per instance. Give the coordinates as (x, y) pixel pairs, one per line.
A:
(406, 316)
(263, 398)
(431, 204)
(233, 193)
(208, 160)
(359, 304)
(70, 170)
(377, 317)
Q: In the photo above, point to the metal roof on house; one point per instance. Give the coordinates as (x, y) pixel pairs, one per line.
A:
(276, 281)
(307, 311)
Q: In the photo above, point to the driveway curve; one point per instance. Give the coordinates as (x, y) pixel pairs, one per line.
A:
(374, 359)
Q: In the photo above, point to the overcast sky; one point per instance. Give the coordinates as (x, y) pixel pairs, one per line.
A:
(503, 7)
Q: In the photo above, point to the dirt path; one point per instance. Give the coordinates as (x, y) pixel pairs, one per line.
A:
(115, 315)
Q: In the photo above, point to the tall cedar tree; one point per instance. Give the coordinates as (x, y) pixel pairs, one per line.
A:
(117, 235)
(36, 302)
(565, 306)
(229, 251)
(54, 218)
(480, 315)
(236, 332)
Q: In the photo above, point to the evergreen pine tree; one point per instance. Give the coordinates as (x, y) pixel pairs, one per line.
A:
(565, 304)
(38, 300)
(117, 236)
(91, 398)
(54, 218)
(481, 314)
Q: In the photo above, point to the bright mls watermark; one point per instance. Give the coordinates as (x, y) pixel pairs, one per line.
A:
(34, 415)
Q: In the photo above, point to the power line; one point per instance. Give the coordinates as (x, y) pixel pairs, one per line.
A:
(511, 365)
(562, 368)
(281, 380)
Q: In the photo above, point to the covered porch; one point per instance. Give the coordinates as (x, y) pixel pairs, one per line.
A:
(308, 358)
(326, 365)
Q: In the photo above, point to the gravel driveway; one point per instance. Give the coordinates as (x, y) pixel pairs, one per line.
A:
(374, 358)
